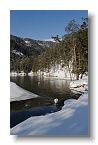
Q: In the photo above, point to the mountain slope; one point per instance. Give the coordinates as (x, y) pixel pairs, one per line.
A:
(22, 49)
(28, 46)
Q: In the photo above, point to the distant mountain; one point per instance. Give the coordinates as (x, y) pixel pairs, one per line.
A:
(27, 46)
(21, 48)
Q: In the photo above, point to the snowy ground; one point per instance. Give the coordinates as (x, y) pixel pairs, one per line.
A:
(17, 93)
(14, 73)
(61, 74)
(72, 120)
(80, 85)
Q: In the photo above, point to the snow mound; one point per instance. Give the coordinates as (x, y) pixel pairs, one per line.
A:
(71, 120)
(18, 94)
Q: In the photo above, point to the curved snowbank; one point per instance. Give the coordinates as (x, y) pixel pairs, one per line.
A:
(71, 120)
(17, 93)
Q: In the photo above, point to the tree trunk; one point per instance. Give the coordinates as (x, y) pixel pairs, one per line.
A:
(75, 61)
(77, 76)
(81, 76)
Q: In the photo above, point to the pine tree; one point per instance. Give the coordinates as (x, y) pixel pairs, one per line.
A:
(72, 29)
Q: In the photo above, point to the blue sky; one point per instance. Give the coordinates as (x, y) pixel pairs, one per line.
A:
(42, 24)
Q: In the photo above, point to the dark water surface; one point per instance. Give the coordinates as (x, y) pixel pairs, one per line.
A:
(48, 89)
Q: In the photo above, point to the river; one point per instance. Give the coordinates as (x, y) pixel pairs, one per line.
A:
(48, 88)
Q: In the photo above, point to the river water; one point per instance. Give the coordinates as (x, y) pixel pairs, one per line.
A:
(48, 88)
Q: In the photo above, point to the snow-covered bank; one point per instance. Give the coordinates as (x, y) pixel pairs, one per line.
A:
(17, 74)
(71, 120)
(17, 93)
(59, 74)
(56, 71)
(80, 85)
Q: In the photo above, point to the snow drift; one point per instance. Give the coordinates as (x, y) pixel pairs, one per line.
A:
(17, 93)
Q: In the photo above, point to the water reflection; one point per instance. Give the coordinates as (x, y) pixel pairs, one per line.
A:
(43, 86)
(21, 110)
(48, 89)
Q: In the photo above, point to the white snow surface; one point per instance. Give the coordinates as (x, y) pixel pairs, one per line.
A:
(71, 120)
(49, 40)
(17, 52)
(17, 93)
(56, 71)
(14, 73)
(80, 85)
(27, 41)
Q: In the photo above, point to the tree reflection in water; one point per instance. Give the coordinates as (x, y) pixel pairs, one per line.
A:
(48, 89)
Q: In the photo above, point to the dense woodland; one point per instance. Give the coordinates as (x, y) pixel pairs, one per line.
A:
(72, 49)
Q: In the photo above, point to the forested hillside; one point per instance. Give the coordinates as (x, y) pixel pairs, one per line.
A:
(23, 51)
(70, 53)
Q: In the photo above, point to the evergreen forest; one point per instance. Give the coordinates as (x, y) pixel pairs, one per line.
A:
(71, 51)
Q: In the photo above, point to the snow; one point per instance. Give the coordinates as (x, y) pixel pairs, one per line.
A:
(27, 41)
(71, 120)
(80, 85)
(57, 71)
(40, 44)
(14, 73)
(49, 40)
(30, 73)
(59, 74)
(17, 93)
(17, 52)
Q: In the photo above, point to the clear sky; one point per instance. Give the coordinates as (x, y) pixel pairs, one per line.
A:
(42, 24)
